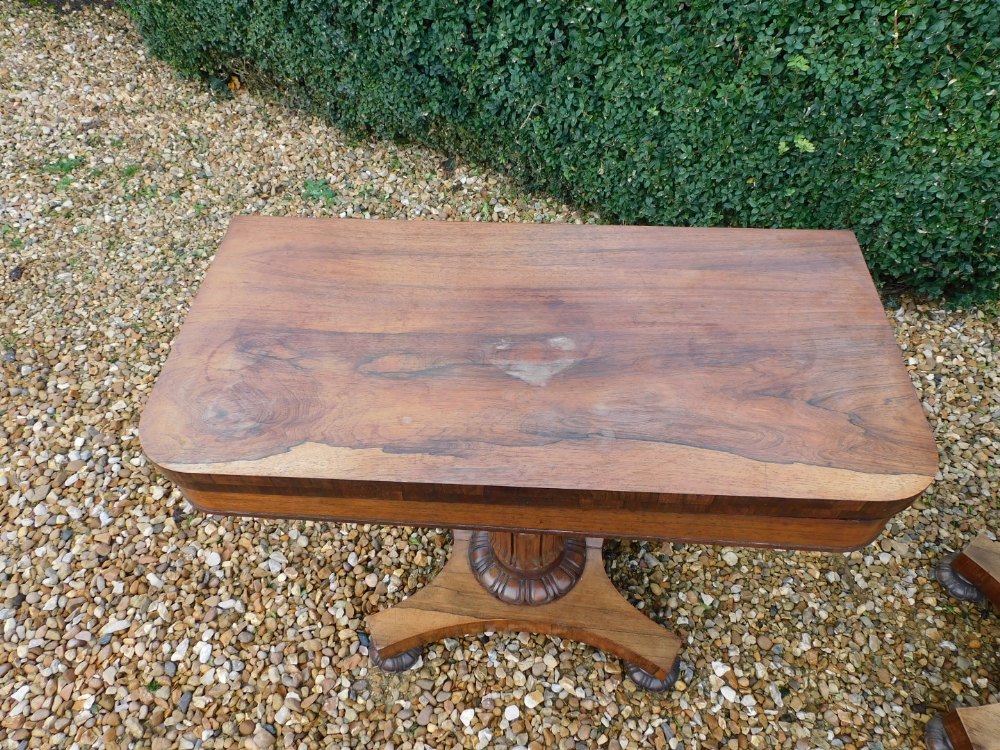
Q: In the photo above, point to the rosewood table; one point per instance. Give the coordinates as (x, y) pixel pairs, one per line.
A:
(540, 388)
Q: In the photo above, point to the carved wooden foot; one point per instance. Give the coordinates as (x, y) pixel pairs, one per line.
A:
(398, 663)
(955, 583)
(591, 611)
(649, 682)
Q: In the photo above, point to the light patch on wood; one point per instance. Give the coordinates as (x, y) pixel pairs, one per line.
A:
(563, 343)
(654, 469)
(533, 360)
(535, 373)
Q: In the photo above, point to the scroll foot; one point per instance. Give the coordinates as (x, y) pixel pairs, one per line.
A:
(936, 736)
(398, 663)
(649, 682)
(955, 583)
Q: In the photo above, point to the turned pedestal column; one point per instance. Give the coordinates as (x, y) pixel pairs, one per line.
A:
(531, 569)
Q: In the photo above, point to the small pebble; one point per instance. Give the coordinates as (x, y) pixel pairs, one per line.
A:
(263, 740)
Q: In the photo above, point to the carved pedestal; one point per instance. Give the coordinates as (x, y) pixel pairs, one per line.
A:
(530, 569)
(541, 583)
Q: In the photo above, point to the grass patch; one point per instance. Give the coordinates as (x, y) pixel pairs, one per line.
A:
(320, 190)
(63, 166)
(7, 235)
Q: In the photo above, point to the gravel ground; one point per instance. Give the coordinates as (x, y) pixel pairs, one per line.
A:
(131, 621)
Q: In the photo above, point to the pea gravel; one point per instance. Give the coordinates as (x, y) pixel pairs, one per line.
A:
(130, 621)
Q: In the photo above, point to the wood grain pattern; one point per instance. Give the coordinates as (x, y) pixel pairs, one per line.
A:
(330, 368)
(980, 563)
(976, 728)
(593, 612)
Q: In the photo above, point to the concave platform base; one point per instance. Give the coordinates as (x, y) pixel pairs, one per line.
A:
(592, 611)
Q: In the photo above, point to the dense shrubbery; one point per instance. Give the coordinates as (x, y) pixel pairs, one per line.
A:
(878, 117)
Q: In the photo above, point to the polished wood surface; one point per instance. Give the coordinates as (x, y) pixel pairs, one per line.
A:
(615, 381)
(593, 612)
(976, 728)
(980, 563)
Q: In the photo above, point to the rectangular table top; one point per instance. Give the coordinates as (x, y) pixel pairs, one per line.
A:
(573, 368)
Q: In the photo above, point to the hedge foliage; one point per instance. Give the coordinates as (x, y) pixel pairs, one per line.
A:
(874, 116)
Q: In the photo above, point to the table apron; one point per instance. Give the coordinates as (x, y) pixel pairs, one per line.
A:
(785, 532)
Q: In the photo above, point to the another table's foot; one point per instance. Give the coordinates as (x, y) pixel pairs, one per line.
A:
(975, 571)
(936, 736)
(649, 682)
(975, 728)
(955, 583)
(592, 611)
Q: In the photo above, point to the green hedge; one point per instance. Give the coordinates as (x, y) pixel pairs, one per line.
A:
(878, 117)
